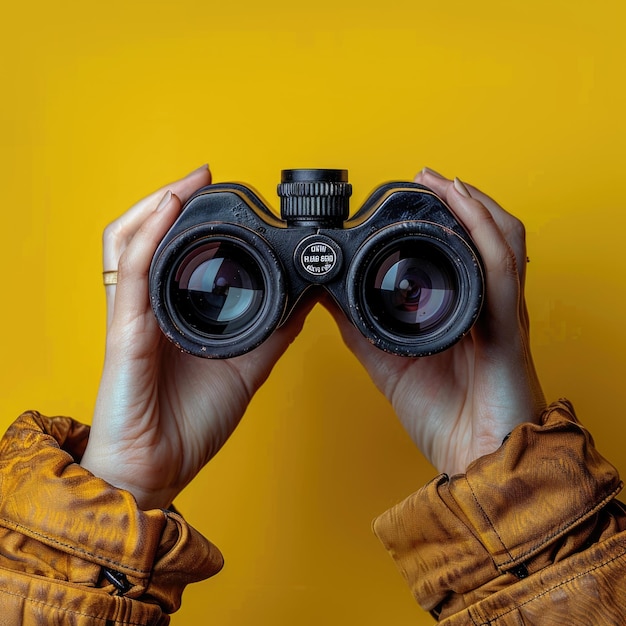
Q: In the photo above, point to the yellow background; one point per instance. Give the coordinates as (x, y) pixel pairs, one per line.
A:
(103, 102)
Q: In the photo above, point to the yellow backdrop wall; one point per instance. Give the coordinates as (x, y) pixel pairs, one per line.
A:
(103, 102)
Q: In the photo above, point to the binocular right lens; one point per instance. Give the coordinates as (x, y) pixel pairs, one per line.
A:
(414, 288)
(410, 289)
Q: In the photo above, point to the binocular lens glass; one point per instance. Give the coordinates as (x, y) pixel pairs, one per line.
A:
(410, 289)
(218, 289)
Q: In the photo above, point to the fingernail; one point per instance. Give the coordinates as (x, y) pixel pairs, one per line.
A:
(202, 168)
(427, 170)
(461, 188)
(165, 200)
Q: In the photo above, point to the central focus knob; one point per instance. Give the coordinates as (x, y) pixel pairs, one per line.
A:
(320, 197)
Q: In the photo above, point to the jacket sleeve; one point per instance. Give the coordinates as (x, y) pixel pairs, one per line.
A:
(75, 550)
(531, 534)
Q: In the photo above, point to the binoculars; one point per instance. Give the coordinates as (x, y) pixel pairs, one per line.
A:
(229, 271)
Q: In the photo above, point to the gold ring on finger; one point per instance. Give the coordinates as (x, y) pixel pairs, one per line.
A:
(109, 277)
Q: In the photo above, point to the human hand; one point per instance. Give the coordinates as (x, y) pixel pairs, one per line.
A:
(162, 414)
(460, 404)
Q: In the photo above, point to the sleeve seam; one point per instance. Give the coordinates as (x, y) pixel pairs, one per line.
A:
(506, 564)
(100, 560)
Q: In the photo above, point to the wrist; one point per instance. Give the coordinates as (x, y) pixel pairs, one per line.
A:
(120, 476)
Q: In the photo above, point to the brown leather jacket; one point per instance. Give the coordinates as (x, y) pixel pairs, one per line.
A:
(531, 534)
(76, 551)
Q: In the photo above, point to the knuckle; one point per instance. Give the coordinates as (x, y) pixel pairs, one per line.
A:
(111, 234)
(124, 266)
(518, 227)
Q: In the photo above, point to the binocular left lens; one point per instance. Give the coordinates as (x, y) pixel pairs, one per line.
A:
(222, 292)
(218, 289)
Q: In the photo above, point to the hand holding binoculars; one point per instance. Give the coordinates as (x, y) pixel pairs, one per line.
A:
(230, 271)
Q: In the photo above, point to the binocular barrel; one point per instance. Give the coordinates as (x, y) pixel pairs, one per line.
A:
(230, 271)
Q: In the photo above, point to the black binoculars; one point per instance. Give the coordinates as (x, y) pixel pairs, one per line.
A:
(230, 271)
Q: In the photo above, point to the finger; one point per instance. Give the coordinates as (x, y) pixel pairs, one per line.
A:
(118, 234)
(512, 228)
(132, 301)
(503, 282)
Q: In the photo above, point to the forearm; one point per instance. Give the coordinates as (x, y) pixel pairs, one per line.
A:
(530, 523)
(73, 545)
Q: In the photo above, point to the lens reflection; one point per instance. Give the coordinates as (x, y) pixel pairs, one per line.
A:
(410, 289)
(218, 289)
